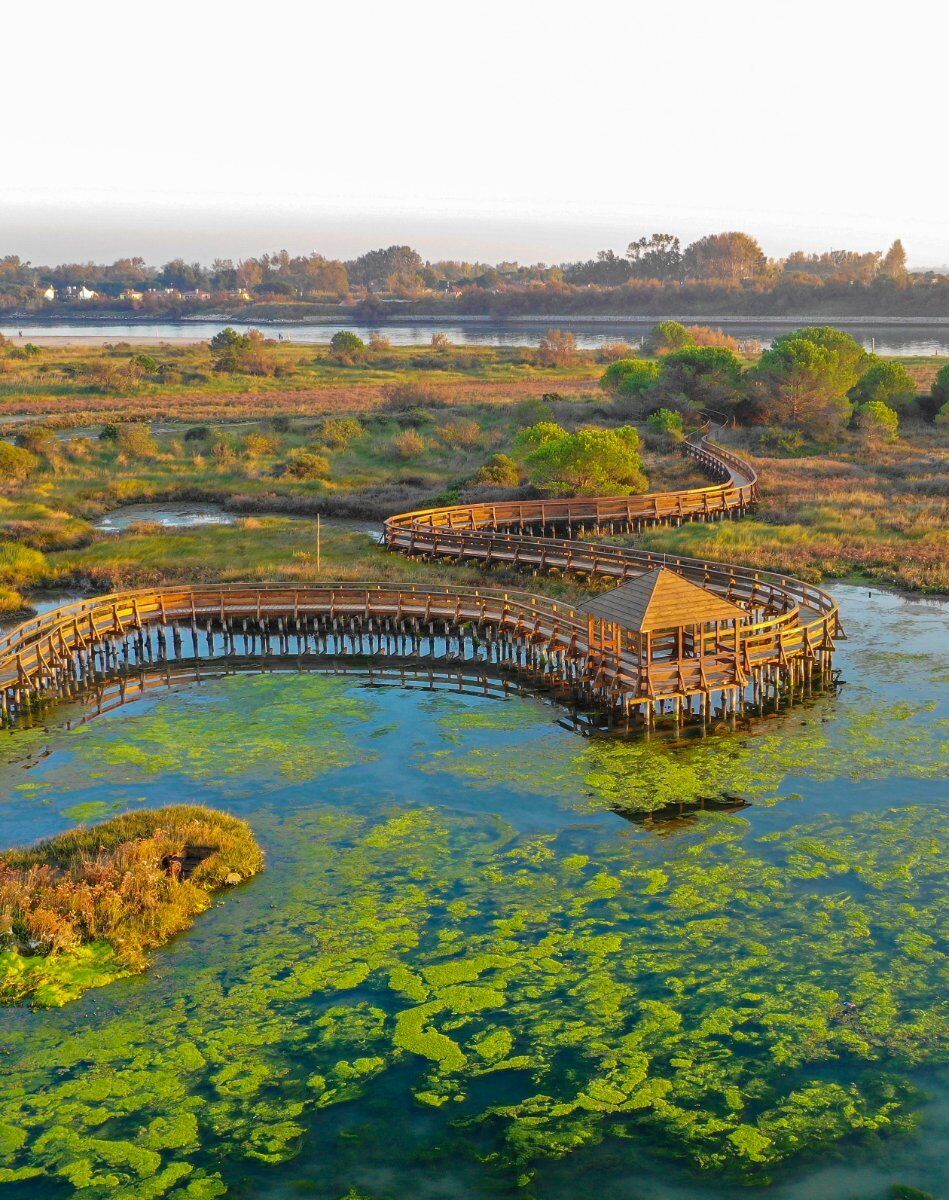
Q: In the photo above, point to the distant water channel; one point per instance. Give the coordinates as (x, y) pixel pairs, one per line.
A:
(479, 964)
(906, 339)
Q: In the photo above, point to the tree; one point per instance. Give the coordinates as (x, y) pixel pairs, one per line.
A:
(226, 347)
(629, 376)
(887, 382)
(727, 256)
(590, 461)
(377, 268)
(658, 257)
(850, 358)
(702, 376)
(558, 349)
(183, 276)
(893, 265)
(798, 383)
(878, 422)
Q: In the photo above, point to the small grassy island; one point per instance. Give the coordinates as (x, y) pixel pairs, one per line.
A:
(86, 907)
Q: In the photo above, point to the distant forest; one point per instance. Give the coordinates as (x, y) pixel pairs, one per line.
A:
(722, 274)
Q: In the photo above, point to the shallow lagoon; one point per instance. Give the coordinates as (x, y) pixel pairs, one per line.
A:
(477, 965)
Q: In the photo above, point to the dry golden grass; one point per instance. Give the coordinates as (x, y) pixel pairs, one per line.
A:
(121, 882)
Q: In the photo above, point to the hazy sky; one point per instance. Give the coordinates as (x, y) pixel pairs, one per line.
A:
(542, 131)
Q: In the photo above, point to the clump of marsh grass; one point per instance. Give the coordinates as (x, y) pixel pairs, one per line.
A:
(130, 883)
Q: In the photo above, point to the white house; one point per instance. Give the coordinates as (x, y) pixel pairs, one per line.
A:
(50, 293)
(84, 293)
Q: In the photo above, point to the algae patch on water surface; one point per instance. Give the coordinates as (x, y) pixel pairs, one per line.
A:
(86, 907)
(735, 1000)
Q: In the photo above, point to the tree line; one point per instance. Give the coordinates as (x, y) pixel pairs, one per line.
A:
(729, 271)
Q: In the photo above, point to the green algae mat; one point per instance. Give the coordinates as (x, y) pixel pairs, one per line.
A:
(489, 958)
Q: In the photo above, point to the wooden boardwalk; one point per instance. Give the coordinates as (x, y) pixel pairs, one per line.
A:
(782, 650)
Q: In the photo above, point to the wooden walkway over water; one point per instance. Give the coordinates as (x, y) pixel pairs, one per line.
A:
(779, 649)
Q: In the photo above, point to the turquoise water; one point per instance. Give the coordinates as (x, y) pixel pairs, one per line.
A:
(484, 960)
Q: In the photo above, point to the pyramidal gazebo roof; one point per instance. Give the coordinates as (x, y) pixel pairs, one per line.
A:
(661, 599)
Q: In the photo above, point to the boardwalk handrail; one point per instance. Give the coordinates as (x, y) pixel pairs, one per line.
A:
(788, 628)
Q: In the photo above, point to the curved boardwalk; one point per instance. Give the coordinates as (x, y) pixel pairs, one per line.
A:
(778, 646)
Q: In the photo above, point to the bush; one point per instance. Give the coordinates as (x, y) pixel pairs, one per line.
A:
(409, 444)
(307, 464)
(887, 382)
(611, 352)
(242, 353)
(136, 441)
(16, 463)
(500, 471)
(197, 433)
(341, 432)
(223, 451)
(347, 347)
(941, 385)
(706, 360)
(702, 335)
(441, 341)
(588, 462)
(109, 432)
(629, 376)
(668, 336)
(461, 434)
(256, 445)
(667, 422)
(877, 421)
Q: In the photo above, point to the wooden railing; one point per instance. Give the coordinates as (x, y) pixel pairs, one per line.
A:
(789, 624)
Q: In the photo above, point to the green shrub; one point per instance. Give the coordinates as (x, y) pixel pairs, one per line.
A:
(668, 336)
(665, 421)
(347, 347)
(629, 376)
(341, 432)
(877, 421)
(888, 382)
(136, 441)
(16, 463)
(307, 464)
(500, 471)
(941, 385)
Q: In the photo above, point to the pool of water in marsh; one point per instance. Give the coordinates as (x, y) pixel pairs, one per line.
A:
(484, 960)
(191, 514)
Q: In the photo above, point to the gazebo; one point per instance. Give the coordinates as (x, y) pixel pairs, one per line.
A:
(672, 626)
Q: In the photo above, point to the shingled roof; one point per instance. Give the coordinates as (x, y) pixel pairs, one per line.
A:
(661, 599)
